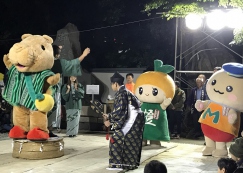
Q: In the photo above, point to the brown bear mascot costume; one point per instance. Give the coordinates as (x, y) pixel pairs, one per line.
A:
(30, 85)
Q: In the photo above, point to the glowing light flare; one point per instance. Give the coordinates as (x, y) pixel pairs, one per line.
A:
(234, 18)
(216, 20)
(193, 21)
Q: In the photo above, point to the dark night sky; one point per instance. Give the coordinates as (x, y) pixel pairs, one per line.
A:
(46, 17)
(148, 40)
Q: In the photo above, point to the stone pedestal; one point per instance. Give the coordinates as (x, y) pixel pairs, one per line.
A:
(38, 150)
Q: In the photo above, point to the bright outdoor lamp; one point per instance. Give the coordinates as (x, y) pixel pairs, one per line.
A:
(193, 21)
(234, 18)
(216, 20)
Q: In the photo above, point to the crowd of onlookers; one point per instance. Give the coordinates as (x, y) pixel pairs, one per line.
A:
(5, 115)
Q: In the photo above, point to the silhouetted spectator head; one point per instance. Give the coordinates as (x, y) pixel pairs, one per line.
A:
(236, 149)
(203, 77)
(226, 165)
(129, 74)
(199, 82)
(56, 51)
(129, 77)
(177, 83)
(155, 166)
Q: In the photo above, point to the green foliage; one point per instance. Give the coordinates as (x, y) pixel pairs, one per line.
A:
(238, 37)
(236, 3)
(155, 4)
(181, 10)
(232, 3)
(238, 33)
(224, 3)
(174, 8)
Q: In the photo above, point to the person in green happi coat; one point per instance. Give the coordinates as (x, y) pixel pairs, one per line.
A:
(72, 93)
(65, 68)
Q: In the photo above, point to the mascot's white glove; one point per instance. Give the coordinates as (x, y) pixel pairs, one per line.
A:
(232, 116)
(199, 105)
(166, 103)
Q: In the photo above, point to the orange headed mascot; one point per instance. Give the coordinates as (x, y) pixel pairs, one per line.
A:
(155, 89)
(220, 120)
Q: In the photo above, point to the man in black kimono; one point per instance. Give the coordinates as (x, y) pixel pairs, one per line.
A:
(127, 121)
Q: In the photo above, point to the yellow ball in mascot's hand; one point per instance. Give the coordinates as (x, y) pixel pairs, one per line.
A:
(46, 104)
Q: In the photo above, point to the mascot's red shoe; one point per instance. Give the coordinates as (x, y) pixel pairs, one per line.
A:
(17, 133)
(37, 134)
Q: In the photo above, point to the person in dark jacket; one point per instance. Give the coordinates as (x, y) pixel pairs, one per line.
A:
(197, 93)
(236, 153)
(175, 110)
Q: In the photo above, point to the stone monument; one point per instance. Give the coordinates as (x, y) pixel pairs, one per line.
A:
(68, 38)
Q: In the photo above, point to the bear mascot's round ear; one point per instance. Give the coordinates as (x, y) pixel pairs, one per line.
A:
(48, 39)
(24, 36)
